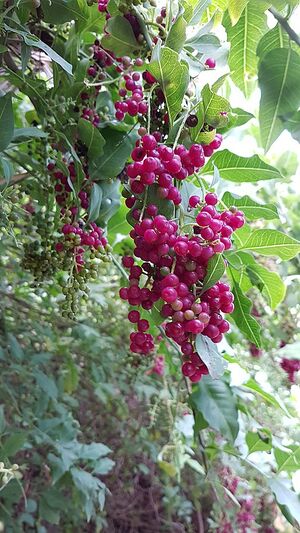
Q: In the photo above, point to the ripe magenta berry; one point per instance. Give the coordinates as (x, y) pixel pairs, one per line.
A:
(194, 201)
(169, 294)
(210, 62)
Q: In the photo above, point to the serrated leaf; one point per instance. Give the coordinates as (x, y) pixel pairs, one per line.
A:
(173, 77)
(270, 284)
(120, 38)
(177, 34)
(252, 210)
(91, 137)
(214, 271)
(215, 400)
(6, 121)
(240, 169)
(272, 242)
(274, 38)
(259, 441)
(243, 37)
(278, 78)
(210, 355)
(95, 202)
(242, 316)
(235, 9)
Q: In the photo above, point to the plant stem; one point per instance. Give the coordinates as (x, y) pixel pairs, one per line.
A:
(285, 25)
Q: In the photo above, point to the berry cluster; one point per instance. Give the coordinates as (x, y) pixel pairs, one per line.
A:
(291, 367)
(133, 104)
(159, 164)
(174, 264)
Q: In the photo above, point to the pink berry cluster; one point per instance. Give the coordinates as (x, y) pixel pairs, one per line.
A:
(291, 367)
(160, 164)
(74, 236)
(174, 264)
(209, 149)
(133, 101)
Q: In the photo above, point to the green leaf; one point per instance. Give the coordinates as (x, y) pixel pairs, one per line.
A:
(7, 169)
(270, 283)
(173, 77)
(235, 9)
(95, 202)
(207, 44)
(61, 11)
(177, 34)
(272, 242)
(116, 151)
(214, 272)
(243, 37)
(15, 348)
(28, 38)
(120, 39)
(274, 38)
(25, 134)
(252, 385)
(210, 355)
(286, 498)
(215, 400)
(252, 210)
(194, 9)
(292, 124)
(242, 317)
(6, 121)
(110, 201)
(278, 77)
(233, 167)
(93, 451)
(2, 420)
(259, 441)
(214, 106)
(91, 137)
(47, 384)
(13, 444)
(242, 116)
(288, 461)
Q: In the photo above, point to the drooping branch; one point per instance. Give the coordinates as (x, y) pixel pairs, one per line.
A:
(285, 25)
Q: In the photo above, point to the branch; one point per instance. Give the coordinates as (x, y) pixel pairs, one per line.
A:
(285, 25)
(15, 179)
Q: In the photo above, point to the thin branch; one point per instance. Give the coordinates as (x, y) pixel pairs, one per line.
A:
(15, 179)
(285, 25)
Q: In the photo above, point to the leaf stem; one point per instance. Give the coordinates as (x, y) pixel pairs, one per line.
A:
(285, 25)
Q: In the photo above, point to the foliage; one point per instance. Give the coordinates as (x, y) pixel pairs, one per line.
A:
(111, 120)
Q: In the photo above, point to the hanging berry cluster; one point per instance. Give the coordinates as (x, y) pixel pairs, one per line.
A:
(174, 261)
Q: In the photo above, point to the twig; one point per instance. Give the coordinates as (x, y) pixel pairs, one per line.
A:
(15, 179)
(285, 25)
